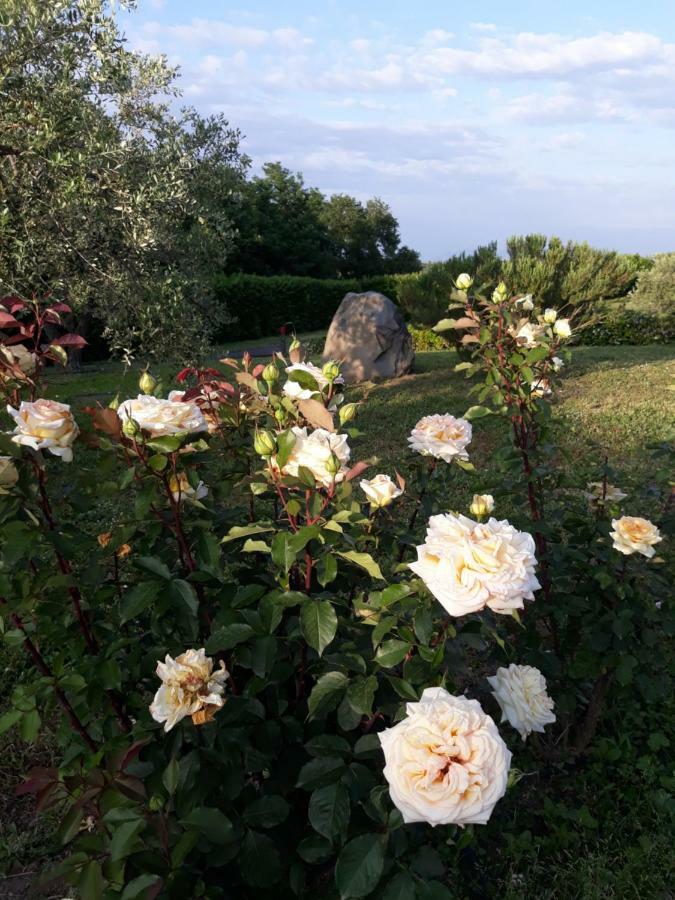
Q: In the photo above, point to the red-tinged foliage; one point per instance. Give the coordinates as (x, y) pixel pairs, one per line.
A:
(105, 419)
(70, 340)
(8, 321)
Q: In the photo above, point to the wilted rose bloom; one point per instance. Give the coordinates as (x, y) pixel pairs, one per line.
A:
(562, 328)
(317, 451)
(468, 566)
(521, 694)
(541, 387)
(635, 535)
(528, 334)
(163, 417)
(181, 489)
(294, 390)
(19, 355)
(558, 363)
(189, 685)
(464, 281)
(8, 474)
(45, 425)
(598, 493)
(446, 762)
(380, 490)
(441, 436)
(550, 315)
(482, 505)
(526, 302)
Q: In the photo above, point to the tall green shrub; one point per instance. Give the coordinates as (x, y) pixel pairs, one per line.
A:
(655, 289)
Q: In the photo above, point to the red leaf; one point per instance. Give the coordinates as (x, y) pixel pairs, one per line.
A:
(38, 780)
(183, 374)
(316, 414)
(356, 470)
(132, 753)
(8, 321)
(61, 307)
(70, 340)
(105, 420)
(259, 369)
(13, 303)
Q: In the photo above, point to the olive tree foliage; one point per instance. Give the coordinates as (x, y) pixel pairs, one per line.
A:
(655, 289)
(107, 198)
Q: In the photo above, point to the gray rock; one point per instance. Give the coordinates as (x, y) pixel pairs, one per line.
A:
(370, 338)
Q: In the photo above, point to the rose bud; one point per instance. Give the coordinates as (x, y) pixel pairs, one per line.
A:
(347, 413)
(146, 383)
(463, 282)
(264, 443)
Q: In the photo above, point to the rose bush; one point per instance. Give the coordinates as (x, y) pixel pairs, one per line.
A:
(258, 691)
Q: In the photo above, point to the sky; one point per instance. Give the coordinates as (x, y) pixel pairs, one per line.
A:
(473, 121)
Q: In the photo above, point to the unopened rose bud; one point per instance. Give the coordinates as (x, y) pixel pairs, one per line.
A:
(500, 293)
(115, 402)
(147, 383)
(463, 282)
(295, 344)
(131, 428)
(482, 505)
(331, 370)
(333, 464)
(347, 413)
(264, 443)
(270, 373)
(281, 415)
(550, 315)
(8, 474)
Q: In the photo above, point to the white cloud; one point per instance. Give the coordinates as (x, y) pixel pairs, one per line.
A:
(565, 140)
(482, 26)
(206, 32)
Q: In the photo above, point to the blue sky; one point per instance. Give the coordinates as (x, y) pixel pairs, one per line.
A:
(472, 120)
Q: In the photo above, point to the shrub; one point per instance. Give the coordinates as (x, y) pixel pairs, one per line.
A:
(655, 290)
(425, 339)
(629, 327)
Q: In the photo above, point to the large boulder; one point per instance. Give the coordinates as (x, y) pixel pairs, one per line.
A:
(369, 337)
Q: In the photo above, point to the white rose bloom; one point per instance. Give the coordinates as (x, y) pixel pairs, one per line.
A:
(163, 417)
(521, 694)
(558, 363)
(526, 302)
(45, 425)
(441, 436)
(468, 566)
(635, 535)
(380, 490)
(189, 685)
(316, 451)
(8, 474)
(446, 762)
(19, 355)
(607, 493)
(528, 334)
(541, 387)
(562, 328)
(482, 504)
(550, 315)
(464, 281)
(181, 489)
(294, 390)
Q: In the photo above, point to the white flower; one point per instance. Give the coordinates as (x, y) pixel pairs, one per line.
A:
(482, 505)
(181, 489)
(527, 334)
(500, 293)
(446, 762)
(163, 417)
(526, 302)
(441, 436)
(380, 490)
(521, 694)
(19, 355)
(541, 387)
(562, 328)
(45, 425)
(189, 685)
(294, 390)
(550, 315)
(463, 282)
(8, 474)
(558, 363)
(324, 453)
(635, 535)
(468, 566)
(599, 493)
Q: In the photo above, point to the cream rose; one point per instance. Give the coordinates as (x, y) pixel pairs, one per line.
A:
(441, 436)
(464, 282)
(189, 685)
(181, 489)
(324, 453)
(541, 387)
(521, 694)
(380, 490)
(468, 566)
(19, 355)
(598, 493)
(446, 762)
(163, 417)
(293, 388)
(558, 364)
(482, 505)
(209, 408)
(550, 315)
(527, 334)
(635, 535)
(8, 474)
(562, 328)
(526, 302)
(45, 425)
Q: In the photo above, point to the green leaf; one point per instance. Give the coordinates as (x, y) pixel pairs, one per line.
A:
(168, 443)
(401, 887)
(444, 325)
(30, 726)
(158, 462)
(329, 810)
(319, 771)
(212, 823)
(91, 881)
(184, 592)
(360, 866)
(477, 412)
(391, 653)
(228, 636)
(9, 719)
(251, 546)
(124, 838)
(327, 693)
(285, 444)
(240, 531)
(153, 565)
(138, 598)
(319, 624)
(283, 554)
(364, 560)
(266, 812)
(259, 860)
(138, 886)
(464, 366)
(326, 569)
(170, 777)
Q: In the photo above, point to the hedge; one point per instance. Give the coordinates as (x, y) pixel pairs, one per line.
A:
(628, 327)
(262, 305)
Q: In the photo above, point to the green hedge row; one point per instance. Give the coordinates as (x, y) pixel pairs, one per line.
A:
(629, 327)
(262, 305)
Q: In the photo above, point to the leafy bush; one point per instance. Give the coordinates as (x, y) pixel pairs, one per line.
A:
(655, 290)
(629, 327)
(425, 339)
(321, 698)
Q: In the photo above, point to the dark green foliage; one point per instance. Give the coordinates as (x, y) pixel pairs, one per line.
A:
(629, 327)
(655, 289)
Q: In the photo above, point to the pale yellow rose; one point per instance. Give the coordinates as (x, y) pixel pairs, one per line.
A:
(446, 762)
(160, 417)
(181, 489)
(189, 686)
(562, 328)
(550, 315)
(635, 535)
(599, 492)
(527, 334)
(45, 425)
(463, 282)
(324, 453)
(24, 358)
(468, 566)
(482, 505)
(441, 436)
(380, 491)
(8, 474)
(209, 407)
(521, 694)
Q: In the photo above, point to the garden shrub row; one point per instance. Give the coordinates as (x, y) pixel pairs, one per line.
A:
(629, 327)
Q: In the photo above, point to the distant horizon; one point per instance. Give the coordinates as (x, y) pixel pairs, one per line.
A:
(472, 126)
